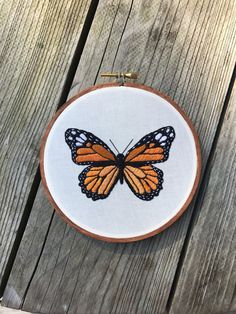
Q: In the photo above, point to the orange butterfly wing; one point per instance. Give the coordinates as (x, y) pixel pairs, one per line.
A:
(152, 148)
(97, 180)
(145, 180)
(87, 149)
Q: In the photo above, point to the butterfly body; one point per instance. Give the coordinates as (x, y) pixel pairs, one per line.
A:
(120, 163)
(105, 168)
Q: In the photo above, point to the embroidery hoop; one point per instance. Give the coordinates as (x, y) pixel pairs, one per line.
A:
(123, 239)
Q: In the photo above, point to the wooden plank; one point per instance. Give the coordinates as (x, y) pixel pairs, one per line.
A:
(5, 310)
(185, 48)
(38, 41)
(207, 280)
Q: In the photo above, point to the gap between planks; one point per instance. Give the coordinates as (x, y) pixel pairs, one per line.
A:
(200, 194)
(36, 182)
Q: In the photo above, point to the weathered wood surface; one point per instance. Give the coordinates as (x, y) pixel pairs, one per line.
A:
(38, 40)
(184, 48)
(207, 280)
(5, 310)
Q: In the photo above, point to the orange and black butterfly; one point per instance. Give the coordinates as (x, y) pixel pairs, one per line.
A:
(106, 169)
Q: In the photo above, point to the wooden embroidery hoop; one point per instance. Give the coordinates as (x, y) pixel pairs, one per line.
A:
(164, 226)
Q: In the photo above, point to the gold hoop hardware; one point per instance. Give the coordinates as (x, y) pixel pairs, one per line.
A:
(118, 75)
(121, 77)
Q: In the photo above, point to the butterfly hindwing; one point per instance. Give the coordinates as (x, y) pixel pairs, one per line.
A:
(87, 149)
(145, 181)
(152, 148)
(98, 182)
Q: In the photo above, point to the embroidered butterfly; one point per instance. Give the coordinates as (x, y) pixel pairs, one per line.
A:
(106, 169)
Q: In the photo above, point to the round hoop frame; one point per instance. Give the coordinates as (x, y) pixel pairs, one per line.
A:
(174, 218)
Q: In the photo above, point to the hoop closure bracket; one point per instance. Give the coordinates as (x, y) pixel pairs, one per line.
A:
(121, 77)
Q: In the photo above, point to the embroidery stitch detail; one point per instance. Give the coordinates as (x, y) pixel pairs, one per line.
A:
(106, 169)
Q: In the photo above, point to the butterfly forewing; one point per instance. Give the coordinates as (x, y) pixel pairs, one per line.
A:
(87, 149)
(152, 148)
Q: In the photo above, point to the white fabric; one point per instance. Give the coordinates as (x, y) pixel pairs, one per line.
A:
(120, 114)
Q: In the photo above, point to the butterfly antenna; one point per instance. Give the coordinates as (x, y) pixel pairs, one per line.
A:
(114, 146)
(127, 146)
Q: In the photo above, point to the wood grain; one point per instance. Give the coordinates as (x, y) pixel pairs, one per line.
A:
(186, 49)
(38, 40)
(207, 280)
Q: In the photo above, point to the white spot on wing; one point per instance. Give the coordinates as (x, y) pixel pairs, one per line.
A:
(82, 135)
(158, 136)
(79, 139)
(163, 138)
